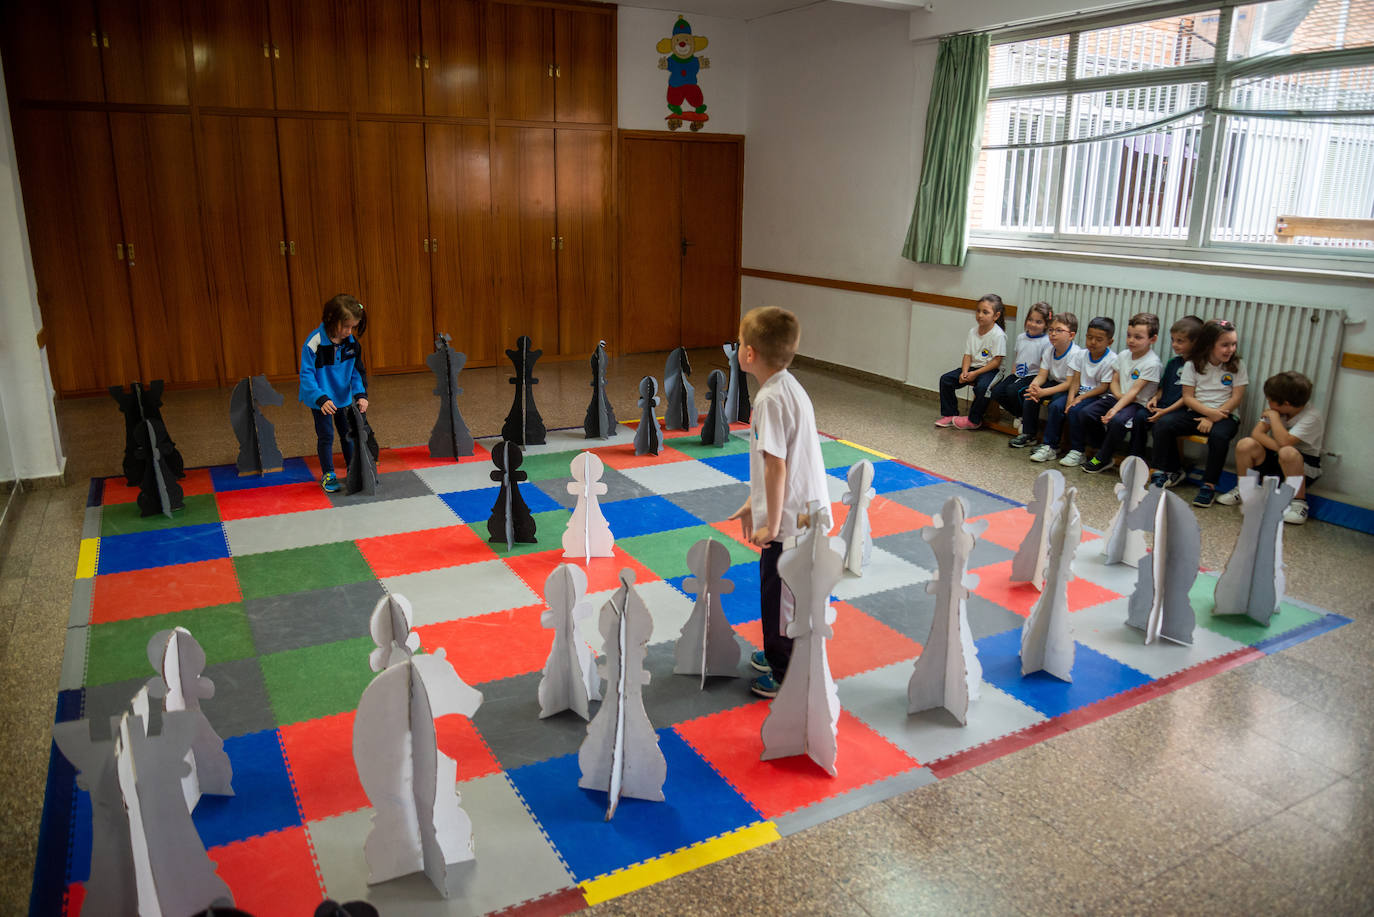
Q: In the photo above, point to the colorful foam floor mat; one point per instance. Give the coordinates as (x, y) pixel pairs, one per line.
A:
(276, 579)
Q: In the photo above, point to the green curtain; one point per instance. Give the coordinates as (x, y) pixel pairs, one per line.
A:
(954, 130)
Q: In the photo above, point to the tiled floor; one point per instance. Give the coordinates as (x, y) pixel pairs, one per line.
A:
(1248, 793)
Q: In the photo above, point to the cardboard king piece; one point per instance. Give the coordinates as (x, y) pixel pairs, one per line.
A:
(1028, 566)
(1160, 606)
(588, 534)
(1252, 583)
(707, 645)
(570, 681)
(856, 535)
(1123, 544)
(1047, 637)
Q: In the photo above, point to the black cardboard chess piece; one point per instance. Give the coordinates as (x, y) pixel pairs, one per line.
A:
(523, 424)
(450, 437)
(715, 431)
(510, 520)
(258, 452)
(600, 422)
(362, 466)
(680, 412)
(737, 407)
(648, 437)
(149, 452)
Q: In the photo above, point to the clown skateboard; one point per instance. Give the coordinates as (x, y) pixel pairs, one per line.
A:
(696, 120)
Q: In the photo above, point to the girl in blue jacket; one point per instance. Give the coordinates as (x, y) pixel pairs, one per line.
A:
(330, 379)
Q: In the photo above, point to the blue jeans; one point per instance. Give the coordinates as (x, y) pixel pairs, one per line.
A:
(1010, 393)
(1084, 414)
(324, 438)
(949, 384)
(1116, 431)
(1184, 423)
(1030, 418)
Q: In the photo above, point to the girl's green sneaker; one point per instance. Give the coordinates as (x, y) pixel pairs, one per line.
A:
(330, 483)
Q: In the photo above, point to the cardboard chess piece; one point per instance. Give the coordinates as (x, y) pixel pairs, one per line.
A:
(570, 680)
(362, 465)
(600, 422)
(856, 535)
(707, 645)
(179, 661)
(1160, 605)
(1252, 583)
(1047, 637)
(142, 404)
(648, 437)
(258, 452)
(1123, 544)
(588, 534)
(450, 437)
(680, 412)
(715, 431)
(510, 520)
(523, 424)
(947, 673)
(1028, 566)
(737, 409)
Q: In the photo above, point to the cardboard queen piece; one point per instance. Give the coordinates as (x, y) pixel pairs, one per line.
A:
(856, 535)
(1047, 637)
(707, 645)
(1253, 581)
(570, 680)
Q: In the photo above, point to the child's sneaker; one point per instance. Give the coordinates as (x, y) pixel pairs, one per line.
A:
(1020, 441)
(1230, 498)
(1043, 454)
(1159, 479)
(760, 662)
(1205, 495)
(947, 421)
(1073, 459)
(330, 483)
(1296, 514)
(1175, 478)
(764, 686)
(963, 423)
(1095, 465)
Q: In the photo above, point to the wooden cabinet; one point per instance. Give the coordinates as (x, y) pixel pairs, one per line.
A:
(232, 49)
(584, 46)
(458, 168)
(586, 241)
(526, 236)
(552, 64)
(143, 50)
(310, 54)
(454, 60)
(385, 57)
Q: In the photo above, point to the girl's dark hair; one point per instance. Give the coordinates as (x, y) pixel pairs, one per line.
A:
(1206, 340)
(1188, 325)
(1046, 313)
(997, 304)
(341, 306)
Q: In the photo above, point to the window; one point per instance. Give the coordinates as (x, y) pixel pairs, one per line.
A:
(1202, 128)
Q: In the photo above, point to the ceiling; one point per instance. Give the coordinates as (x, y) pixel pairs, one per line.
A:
(756, 9)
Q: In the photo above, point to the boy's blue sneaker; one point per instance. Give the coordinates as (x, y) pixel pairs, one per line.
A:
(1095, 465)
(330, 483)
(760, 662)
(1205, 495)
(764, 686)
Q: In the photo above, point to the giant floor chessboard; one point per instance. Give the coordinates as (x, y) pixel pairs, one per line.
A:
(276, 580)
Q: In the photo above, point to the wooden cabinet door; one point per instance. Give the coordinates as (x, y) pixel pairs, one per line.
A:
(178, 333)
(710, 226)
(232, 53)
(241, 197)
(317, 199)
(51, 50)
(526, 236)
(522, 86)
(310, 56)
(584, 66)
(650, 244)
(586, 236)
(145, 59)
(385, 59)
(64, 163)
(455, 71)
(458, 163)
(394, 229)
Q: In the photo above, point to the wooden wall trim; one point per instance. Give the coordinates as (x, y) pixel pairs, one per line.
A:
(1362, 361)
(674, 135)
(934, 299)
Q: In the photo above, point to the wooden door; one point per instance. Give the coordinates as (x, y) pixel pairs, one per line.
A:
(245, 241)
(522, 85)
(586, 235)
(584, 66)
(710, 226)
(455, 60)
(310, 57)
(394, 230)
(386, 60)
(51, 50)
(233, 53)
(525, 235)
(317, 201)
(458, 163)
(178, 333)
(64, 162)
(650, 244)
(145, 58)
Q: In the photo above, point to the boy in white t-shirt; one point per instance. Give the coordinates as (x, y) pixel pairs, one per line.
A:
(1055, 380)
(1286, 441)
(1135, 379)
(786, 472)
(1094, 397)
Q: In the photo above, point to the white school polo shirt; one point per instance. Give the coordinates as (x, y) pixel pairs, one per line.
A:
(784, 424)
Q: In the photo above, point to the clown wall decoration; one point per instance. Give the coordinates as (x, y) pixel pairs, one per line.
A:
(682, 64)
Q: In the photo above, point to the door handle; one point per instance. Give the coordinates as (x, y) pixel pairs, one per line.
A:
(433, 245)
(119, 251)
(129, 247)
(291, 247)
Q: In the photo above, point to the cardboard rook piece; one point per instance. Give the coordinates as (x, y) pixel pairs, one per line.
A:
(680, 412)
(1046, 637)
(258, 452)
(1123, 544)
(715, 431)
(600, 422)
(648, 437)
(707, 645)
(179, 661)
(947, 673)
(151, 460)
(450, 437)
(510, 520)
(1028, 566)
(1160, 605)
(523, 424)
(417, 823)
(570, 680)
(856, 535)
(737, 408)
(1253, 581)
(588, 534)
(362, 463)
(804, 717)
(620, 755)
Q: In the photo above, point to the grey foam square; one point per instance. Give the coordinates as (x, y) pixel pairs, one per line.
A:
(812, 815)
(83, 596)
(1103, 628)
(909, 610)
(912, 547)
(90, 523)
(395, 485)
(712, 504)
(74, 659)
(298, 619)
(931, 499)
(510, 725)
(618, 487)
(240, 704)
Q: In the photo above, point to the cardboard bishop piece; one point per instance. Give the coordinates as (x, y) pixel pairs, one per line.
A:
(258, 452)
(450, 437)
(737, 408)
(648, 437)
(1160, 606)
(707, 645)
(570, 680)
(600, 422)
(588, 534)
(1123, 544)
(1028, 566)
(1252, 583)
(1047, 637)
(856, 535)
(680, 409)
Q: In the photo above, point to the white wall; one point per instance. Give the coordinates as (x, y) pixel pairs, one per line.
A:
(643, 87)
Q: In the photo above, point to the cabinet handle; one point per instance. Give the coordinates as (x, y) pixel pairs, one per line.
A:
(276, 52)
(119, 251)
(129, 246)
(426, 244)
(550, 69)
(434, 245)
(283, 247)
(291, 247)
(266, 51)
(553, 243)
(105, 39)
(560, 243)
(95, 39)
(425, 61)
(557, 71)
(417, 62)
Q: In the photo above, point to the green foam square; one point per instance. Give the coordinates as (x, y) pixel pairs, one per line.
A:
(836, 454)
(300, 569)
(315, 681)
(693, 446)
(665, 553)
(1241, 628)
(549, 465)
(119, 649)
(124, 518)
(548, 528)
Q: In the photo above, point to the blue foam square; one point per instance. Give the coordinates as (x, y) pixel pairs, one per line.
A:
(736, 466)
(1095, 676)
(889, 476)
(698, 804)
(742, 605)
(473, 506)
(79, 866)
(646, 516)
(293, 471)
(161, 548)
(263, 800)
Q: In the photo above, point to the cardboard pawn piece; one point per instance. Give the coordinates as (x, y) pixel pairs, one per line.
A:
(510, 520)
(715, 431)
(648, 437)
(804, 717)
(141, 404)
(362, 467)
(417, 822)
(600, 422)
(856, 534)
(620, 755)
(588, 534)
(570, 680)
(737, 409)
(1047, 637)
(707, 644)
(179, 661)
(523, 424)
(1160, 605)
(450, 437)
(1123, 544)
(1028, 566)
(1253, 582)
(258, 452)
(680, 413)
(947, 673)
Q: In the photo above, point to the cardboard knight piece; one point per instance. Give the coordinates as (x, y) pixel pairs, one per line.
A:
(1028, 566)
(707, 645)
(600, 422)
(450, 437)
(680, 411)
(258, 452)
(1123, 544)
(510, 520)
(588, 534)
(570, 680)
(856, 534)
(648, 437)
(737, 408)
(1159, 605)
(179, 661)
(715, 430)
(1252, 583)
(523, 424)
(362, 465)
(1047, 637)
(151, 460)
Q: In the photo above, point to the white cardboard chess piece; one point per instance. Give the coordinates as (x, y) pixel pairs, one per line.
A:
(1047, 638)
(588, 534)
(1028, 566)
(620, 755)
(947, 673)
(856, 534)
(417, 823)
(1123, 544)
(180, 660)
(570, 681)
(707, 645)
(804, 717)
(1160, 606)
(1253, 581)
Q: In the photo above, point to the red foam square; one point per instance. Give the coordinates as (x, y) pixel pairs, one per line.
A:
(730, 528)
(340, 466)
(268, 874)
(731, 742)
(602, 572)
(75, 899)
(623, 456)
(139, 593)
(320, 755)
(1008, 528)
(116, 490)
(491, 646)
(268, 501)
(994, 585)
(416, 457)
(459, 739)
(430, 549)
(751, 631)
(863, 643)
(885, 517)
